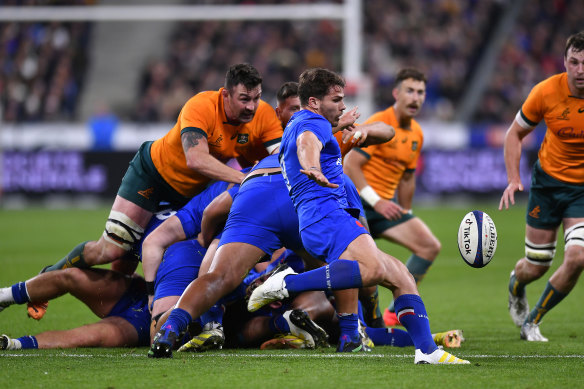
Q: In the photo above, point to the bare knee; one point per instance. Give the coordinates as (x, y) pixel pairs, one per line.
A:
(574, 259)
(526, 272)
(102, 252)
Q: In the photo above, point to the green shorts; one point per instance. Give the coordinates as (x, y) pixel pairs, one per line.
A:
(378, 223)
(551, 200)
(145, 187)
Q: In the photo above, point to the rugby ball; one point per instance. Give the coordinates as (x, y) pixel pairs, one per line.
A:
(477, 239)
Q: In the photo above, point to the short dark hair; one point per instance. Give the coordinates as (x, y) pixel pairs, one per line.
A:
(576, 42)
(407, 73)
(288, 89)
(242, 73)
(316, 82)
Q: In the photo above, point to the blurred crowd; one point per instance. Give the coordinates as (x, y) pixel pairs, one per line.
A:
(43, 64)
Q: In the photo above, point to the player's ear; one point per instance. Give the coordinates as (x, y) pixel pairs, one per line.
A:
(394, 93)
(225, 93)
(313, 102)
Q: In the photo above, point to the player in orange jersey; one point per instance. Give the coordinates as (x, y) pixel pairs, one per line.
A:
(212, 127)
(384, 175)
(556, 196)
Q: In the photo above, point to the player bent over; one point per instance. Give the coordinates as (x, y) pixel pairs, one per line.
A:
(311, 163)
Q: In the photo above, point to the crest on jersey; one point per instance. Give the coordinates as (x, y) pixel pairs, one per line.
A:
(414, 145)
(242, 138)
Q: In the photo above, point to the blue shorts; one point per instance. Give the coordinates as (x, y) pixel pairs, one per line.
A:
(133, 306)
(180, 265)
(274, 227)
(330, 236)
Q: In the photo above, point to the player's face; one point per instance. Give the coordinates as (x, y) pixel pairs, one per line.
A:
(409, 97)
(241, 103)
(332, 105)
(574, 63)
(288, 108)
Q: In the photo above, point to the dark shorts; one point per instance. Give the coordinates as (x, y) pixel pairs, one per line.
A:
(180, 265)
(144, 186)
(330, 236)
(274, 227)
(551, 200)
(133, 306)
(378, 223)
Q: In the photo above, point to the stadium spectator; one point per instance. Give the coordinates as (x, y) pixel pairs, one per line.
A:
(213, 127)
(556, 196)
(384, 176)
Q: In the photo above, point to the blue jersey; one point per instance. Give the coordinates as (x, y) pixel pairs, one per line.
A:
(312, 201)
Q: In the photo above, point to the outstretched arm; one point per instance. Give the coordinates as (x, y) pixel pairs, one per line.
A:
(199, 159)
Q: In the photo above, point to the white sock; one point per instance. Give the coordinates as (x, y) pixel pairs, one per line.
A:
(13, 344)
(6, 297)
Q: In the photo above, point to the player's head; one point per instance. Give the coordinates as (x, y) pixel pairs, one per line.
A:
(322, 92)
(574, 63)
(288, 102)
(242, 92)
(409, 92)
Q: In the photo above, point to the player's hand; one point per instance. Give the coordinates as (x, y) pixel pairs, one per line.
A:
(509, 194)
(354, 134)
(317, 176)
(348, 119)
(389, 209)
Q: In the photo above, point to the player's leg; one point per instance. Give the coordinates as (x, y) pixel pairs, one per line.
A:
(99, 289)
(108, 332)
(124, 227)
(540, 248)
(415, 235)
(231, 263)
(561, 282)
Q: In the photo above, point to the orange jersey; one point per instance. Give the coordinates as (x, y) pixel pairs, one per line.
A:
(345, 147)
(388, 161)
(562, 151)
(204, 113)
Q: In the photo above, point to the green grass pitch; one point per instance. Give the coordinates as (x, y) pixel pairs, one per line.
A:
(456, 296)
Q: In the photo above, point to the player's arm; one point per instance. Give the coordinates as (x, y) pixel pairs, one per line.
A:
(308, 151)
(512, 154)
(353, 167)
(214, 215)
(199, 159)
(167, 233)
(368, 134)
(406, 189)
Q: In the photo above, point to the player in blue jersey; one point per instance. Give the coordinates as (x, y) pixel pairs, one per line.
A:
(119, 301)
(311, 163)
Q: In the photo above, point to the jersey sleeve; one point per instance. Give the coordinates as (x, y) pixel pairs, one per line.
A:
(532, 110)
(198, 115)
(269, 126)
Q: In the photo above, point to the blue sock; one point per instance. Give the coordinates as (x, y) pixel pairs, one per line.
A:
(349, 324)
(215, 314)
(177, 321)
(389, 337)
(279, 325)
(339, 274)
(411, 313)
(19, 293)
(360, 311)
(28, 342)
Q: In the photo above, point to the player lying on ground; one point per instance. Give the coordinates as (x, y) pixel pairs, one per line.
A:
(119, 301)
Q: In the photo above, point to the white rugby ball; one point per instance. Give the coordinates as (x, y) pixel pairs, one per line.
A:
(477, 239)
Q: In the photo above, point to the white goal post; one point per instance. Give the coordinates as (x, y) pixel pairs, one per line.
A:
(350, 13)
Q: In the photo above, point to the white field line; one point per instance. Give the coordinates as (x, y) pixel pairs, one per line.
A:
(317, 356)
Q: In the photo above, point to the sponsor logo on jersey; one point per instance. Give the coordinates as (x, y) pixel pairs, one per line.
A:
(580, 110)
(414, 145)
(146, 193)
(534, 213)
(242, 138)
(570, 132)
